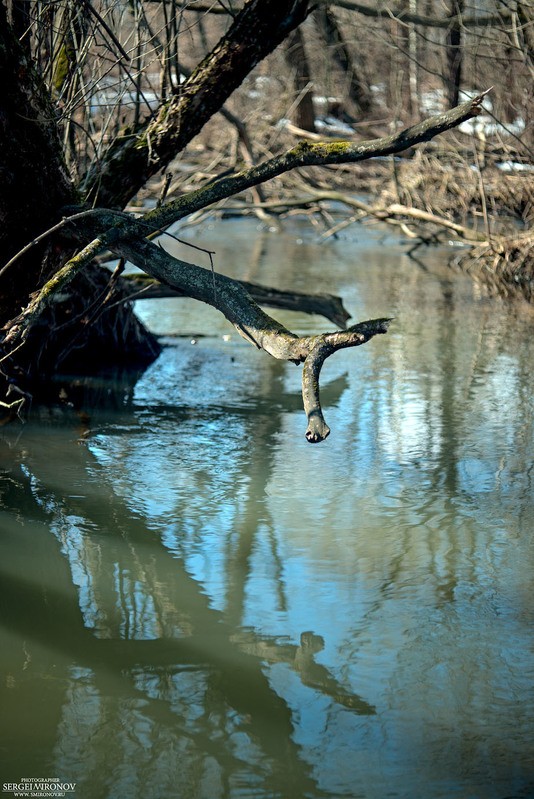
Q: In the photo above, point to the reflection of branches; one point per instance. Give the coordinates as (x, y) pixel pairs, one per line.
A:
(121, 669)
(210, 645)
(256, 516)
(300, 658)
(57, 625)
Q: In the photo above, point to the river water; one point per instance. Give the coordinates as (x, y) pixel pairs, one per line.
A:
(197, 603)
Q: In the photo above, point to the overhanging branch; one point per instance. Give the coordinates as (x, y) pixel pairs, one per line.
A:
(127, 239)
(88, 224)
(321, 347)
(313, 154)
(252, 323)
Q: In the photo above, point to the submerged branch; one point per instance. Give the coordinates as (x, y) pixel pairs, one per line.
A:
(394, 214)
(328, 305)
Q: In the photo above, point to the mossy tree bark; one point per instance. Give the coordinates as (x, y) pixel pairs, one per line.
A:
(36, 188)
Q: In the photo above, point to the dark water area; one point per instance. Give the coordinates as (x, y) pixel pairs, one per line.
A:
(197, 603)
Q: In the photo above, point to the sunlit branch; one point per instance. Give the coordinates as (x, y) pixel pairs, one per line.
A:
(252, 323)
(313, 154)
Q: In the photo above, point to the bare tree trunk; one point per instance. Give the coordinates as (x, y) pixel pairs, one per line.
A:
(413, 61)
(297, 61)
(525, 14)
(453, 73)
(400, 81)
(35, 188)
(21, 19)
(359, 93)
(34, 181)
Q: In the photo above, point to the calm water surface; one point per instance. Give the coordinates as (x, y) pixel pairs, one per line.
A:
(197, 603)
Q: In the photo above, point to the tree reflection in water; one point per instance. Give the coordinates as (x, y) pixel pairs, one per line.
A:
(195, 603)
(157, 692)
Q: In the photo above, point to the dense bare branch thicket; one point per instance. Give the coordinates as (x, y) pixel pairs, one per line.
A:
(107, 102)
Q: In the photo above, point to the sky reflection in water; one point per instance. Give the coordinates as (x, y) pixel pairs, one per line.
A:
(223, 610)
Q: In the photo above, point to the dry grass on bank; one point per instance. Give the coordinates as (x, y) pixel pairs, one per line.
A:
(453, 187)
(505, 266)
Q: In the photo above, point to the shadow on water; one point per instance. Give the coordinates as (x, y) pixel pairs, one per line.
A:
(196, 603)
